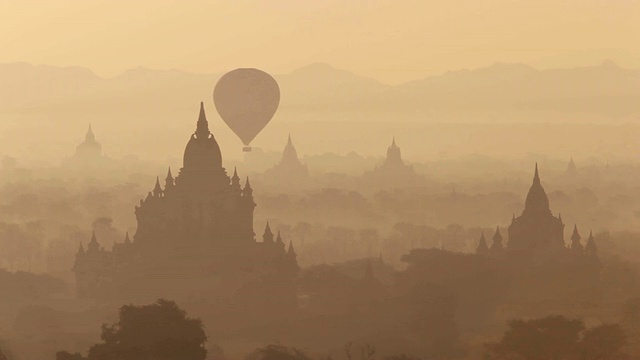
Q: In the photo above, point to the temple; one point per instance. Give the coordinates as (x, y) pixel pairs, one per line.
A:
(199, 225)
(88, 153)
(90, 148)
(393, 171)
(290, 170)
(537, 227)
(572, 169)
(537, 230)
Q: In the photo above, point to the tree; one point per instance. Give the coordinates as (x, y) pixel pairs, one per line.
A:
(603, 343)
(556, 337)
(278, 352)
(63, 355)
(160, 331)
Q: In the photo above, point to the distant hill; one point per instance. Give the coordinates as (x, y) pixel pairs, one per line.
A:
(606, 89)
(322, 89)
(23, 84)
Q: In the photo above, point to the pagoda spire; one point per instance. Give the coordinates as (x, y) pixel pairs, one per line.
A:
(169, 180)
(279, 241)
(291, 251)
(482, 245)
(591, 249)
(289, 154)
(497, 240)
(394, 156)
(157, 190)
(247, 191)
(571, 167)
(90, 137)
(575, 235)
(267, 237)
(235, 179)
(575, 240)
(93, 244)
(202, 128)
(127, 240)
(537, 201)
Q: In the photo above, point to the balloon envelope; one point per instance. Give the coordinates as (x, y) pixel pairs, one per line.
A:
(246, 100)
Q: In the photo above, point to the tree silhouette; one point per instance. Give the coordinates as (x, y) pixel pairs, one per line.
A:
(160, 331)
(63, 355)
(603, 343)
(278, 352)
(556, 337)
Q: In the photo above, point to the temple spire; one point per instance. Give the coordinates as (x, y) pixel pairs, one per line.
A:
(127, 240)
(267, 237)
(157, 190)
(279, 241)
(93, 244)
(291, 251)
(575, 240)
(497, 240)
(394, 156)
(202, 128)
(591, 249)
(247, 191)
(90, 137)
(482, 245)
(235, 180)
(169, 181)
(575, 235)
(537, 201)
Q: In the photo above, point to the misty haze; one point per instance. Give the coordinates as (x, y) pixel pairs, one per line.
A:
(315, 180)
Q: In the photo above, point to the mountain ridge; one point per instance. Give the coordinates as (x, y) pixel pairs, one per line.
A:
(323, 88)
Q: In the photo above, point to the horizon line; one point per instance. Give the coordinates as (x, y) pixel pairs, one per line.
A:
(604, 62)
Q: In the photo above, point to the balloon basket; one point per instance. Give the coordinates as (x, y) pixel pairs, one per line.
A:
(246, 149)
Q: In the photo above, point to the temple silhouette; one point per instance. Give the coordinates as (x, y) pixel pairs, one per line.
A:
(572, 169)
(393, 171)
(536, 230)
(289, 170)
(88, 154)
(198, 226)
(89, 149)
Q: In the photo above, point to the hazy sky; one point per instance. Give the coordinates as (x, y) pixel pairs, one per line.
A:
(391, 40)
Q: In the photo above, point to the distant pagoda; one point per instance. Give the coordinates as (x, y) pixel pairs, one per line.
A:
(290, 165)
(537, 230)
(393, 171)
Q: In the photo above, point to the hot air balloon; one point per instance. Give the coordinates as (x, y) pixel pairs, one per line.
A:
(246, 100)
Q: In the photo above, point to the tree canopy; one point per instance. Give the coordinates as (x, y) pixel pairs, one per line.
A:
(556, 337)
(160, 331)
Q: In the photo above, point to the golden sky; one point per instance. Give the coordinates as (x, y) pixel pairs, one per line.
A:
(391, 40)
